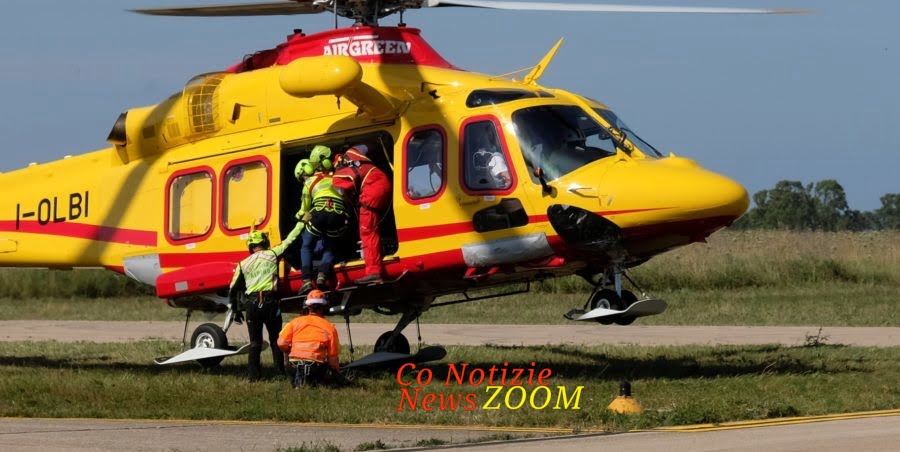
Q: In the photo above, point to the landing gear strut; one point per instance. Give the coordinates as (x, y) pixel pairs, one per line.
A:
(609, 303)
(208, 335)
(392, 348)
(394, 341)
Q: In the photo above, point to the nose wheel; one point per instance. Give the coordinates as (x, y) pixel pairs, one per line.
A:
(609, 299)
(209, 335)
(399, 345)
(609, 303)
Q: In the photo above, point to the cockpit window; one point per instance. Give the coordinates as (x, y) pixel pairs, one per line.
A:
(633, 137)
(486, 167)
(558, 139)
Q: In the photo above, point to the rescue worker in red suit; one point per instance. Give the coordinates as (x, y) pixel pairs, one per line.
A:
(370, 188)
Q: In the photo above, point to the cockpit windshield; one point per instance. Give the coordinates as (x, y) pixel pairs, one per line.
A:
(616, 122)
(558, 139)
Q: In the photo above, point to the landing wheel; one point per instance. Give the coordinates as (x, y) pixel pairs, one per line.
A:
(628, 299)
(607, 299)
(400, 344)
(209, 335)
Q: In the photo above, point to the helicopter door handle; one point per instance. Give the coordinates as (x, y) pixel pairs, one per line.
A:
(585, 192)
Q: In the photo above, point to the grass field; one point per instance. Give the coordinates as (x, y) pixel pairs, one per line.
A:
(674, 385)
(738, 278)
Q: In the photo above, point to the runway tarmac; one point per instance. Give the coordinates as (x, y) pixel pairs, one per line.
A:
(458, 334)
(874, 431)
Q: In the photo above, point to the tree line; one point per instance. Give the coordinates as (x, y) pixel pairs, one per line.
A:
(819, 206)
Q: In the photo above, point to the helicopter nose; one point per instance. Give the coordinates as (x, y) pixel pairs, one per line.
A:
(719, 196)
(736, 198)
(668, 190)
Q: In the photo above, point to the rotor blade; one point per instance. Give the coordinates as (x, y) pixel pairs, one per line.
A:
(239, 9)
(604, 8)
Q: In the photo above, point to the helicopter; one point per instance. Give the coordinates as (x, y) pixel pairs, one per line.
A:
(171, 201)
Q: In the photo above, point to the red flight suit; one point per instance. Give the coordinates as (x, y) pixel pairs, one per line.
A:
(372, 188)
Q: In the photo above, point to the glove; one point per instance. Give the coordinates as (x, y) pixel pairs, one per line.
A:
(306, 217)
(236, 315)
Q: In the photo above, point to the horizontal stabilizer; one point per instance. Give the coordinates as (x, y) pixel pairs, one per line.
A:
(641, 308)
(198, 353)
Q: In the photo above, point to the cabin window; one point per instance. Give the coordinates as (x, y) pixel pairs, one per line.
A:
(485, 164)
(425, 158)
(190, 205)
(245, 195)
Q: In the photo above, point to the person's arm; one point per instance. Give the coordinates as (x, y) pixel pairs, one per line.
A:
(286, 337)
(238, 277)
(305, 201)
(235, 290)
(334, 350)
(500, 170)
(281, 247)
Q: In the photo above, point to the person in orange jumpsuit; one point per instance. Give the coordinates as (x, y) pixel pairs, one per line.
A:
(311, 343)
(370, 187)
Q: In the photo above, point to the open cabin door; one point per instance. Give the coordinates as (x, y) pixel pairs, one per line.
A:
(380, 150)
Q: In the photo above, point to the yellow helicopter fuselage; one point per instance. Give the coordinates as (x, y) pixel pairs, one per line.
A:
(184, 180)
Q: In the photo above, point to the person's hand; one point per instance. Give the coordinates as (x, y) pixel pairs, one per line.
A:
(306, 217)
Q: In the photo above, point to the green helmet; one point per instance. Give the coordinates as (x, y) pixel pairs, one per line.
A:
(321, 156)
(257, 238)
(303, 169)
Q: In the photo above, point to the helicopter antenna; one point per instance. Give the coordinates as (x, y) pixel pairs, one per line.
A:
(535, 74)
(401, 24)
(334, 4)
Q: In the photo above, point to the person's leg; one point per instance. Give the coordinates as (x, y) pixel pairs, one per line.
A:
(334, 227)
(371, 241)
(326, 266)
(255, 324)
(306, 257)
(297, 379)
(306, 254)
(273, 327)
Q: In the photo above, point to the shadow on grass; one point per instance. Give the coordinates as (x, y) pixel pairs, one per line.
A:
(564, 361)
(576, 363)
(236, 368)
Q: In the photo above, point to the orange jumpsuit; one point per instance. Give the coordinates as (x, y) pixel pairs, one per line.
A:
(310, 337)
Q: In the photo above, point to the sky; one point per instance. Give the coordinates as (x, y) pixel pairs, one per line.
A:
(758, 98)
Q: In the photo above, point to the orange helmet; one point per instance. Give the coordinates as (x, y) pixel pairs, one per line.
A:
(315, 297)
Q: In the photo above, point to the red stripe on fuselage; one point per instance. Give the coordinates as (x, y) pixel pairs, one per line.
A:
(180, 260)
(82, 231)
(440, 230)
